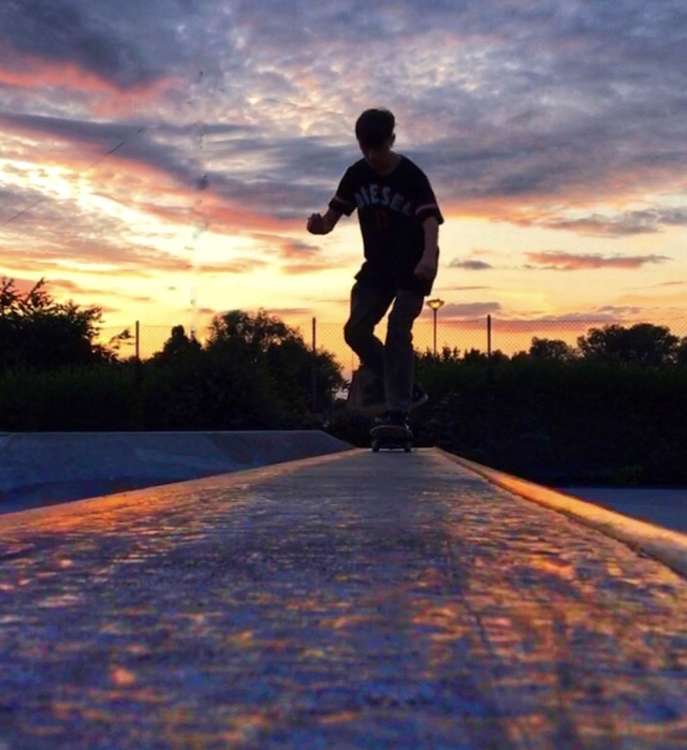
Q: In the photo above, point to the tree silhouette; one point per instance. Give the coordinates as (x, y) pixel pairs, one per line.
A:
(643, 343)
(37, 331)
(178, 345)
(551, 349)
(254, 335)
(681, 356)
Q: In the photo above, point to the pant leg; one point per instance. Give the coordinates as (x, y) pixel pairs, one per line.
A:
(368, 307)
(399, 355)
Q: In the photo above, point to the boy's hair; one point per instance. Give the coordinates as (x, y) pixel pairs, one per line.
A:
(374, 127)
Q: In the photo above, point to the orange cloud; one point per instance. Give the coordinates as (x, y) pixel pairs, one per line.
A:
(98, 257)
(539, 208)
(125, 178)
(240, 265)
(302, 257)
(215, 213)
(64, 287)
(311, 267)
(288, 247)
(559, 261)
(36, 73)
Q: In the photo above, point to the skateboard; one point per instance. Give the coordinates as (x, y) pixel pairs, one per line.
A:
(390, 437)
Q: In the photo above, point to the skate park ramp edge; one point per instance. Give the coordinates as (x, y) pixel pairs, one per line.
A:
(41, 468)
(665, 545)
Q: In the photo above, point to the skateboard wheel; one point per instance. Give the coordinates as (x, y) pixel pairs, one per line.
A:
(407, 447)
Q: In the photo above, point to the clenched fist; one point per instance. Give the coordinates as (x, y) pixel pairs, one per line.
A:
(316, 224)
(426, 269)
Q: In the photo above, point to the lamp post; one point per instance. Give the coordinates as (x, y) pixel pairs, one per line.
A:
(435, 304)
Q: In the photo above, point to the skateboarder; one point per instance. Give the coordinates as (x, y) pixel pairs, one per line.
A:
(399, 219)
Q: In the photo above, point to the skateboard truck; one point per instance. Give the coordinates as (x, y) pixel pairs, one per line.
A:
(390, 437)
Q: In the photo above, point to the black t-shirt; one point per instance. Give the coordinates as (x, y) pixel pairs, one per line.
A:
(391, 209)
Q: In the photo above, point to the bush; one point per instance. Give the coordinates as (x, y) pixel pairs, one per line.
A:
(255, 373)
(97, 397)
(556, 420)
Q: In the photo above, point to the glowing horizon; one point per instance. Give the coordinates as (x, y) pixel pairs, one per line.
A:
(165, 171)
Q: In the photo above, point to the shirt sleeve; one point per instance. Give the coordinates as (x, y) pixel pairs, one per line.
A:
(425, 201)
(344, 200)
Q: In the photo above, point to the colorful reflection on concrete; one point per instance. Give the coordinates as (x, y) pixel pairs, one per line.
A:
(359, 600)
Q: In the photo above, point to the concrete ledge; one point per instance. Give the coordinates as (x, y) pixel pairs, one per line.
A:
(38, 468)
(670, 547)
(152, 498)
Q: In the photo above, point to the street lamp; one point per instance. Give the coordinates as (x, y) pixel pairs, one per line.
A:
(435, 304)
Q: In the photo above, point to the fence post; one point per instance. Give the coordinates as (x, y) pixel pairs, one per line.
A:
(314, 365)
(489, 336)
(138, 341)
(489, 432)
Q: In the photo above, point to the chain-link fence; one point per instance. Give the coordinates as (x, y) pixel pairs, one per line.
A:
(487, 335)
(511, 336)
(484, 334)
(138, 339)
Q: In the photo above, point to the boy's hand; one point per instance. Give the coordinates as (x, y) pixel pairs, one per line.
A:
(316, 224)
(426, 269)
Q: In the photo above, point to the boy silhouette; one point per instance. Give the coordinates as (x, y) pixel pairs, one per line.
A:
(399, 219)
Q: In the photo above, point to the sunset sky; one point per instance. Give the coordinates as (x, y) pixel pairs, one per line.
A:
(160, 158)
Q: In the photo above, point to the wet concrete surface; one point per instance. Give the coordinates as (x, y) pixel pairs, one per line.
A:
(353, 601)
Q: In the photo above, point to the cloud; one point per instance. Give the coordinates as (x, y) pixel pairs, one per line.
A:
(236, 266)
(310, 267)
(71, 287)
(567, 324)
(40, 74)
(66, 287)
(64, 31)
(587, 111)
(560, 261)
(462, 288)
(466, 310)
(299, 257)
(288, 248)
(470, 265)
(23, 286)
(521, 112)
(620, 310)
(130, 161)
(84, 250)
(289, 311)
(649, 221)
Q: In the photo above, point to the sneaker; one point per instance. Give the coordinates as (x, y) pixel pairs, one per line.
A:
(395, 418)
(373, 394)
(420, 396)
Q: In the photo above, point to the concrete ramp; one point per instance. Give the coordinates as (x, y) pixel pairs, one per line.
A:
(355, 600)
(46, 467)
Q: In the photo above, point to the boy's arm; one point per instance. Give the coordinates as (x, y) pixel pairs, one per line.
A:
(431, 228)
(318, 224)
(429, 214)
(342, 203)
(429, 262)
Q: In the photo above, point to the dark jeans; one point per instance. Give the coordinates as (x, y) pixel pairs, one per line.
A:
(392, 362)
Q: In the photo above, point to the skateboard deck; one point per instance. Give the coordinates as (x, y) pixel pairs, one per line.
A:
(390, 437)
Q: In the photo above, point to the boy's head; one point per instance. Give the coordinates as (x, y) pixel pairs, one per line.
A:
(374, 130)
